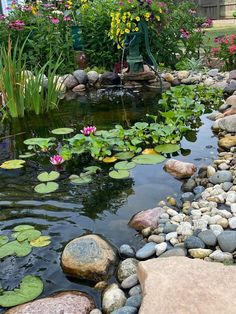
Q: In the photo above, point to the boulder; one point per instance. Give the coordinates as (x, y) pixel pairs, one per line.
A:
(182, 285)
(183, 75)
(88, 257)
(110, 78)
(81, 76)
(92, 77)
(228, 112)
(232, 75)
(70, 81)
(231, 101)
(79, 88)
(146, 218)
(231, 87)
(227, 124)
(67, 302)
(180, 169)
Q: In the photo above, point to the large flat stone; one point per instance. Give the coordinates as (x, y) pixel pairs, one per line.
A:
(146, 218)
(182, 285)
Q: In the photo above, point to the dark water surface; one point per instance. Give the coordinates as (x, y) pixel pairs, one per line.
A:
(103, 207)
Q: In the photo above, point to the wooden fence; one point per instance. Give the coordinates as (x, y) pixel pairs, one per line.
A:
(217, 9)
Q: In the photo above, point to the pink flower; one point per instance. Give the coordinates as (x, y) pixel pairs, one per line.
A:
(184, 33)
(18, 25)
(88, 130)
(67, 18)
(54, 20)
(215, 50)
(2, 17)
(56, 160)
(232, 49)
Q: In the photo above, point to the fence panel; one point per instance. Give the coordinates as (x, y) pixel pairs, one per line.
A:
(217, 9)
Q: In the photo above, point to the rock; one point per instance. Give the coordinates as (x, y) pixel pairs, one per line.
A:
(169, 228)
(79, 88)
(156, 238)
(200, 253)
(213, 72)
(228, 112)
(213, 116)
(69, 81)
(231, 197)
(141, 76)
(101, 285)
(231, 101)
(81, 76)
(232, 75)
(217, 229)
(227, 124)
(174, 252)
(146, 218)
(210, 171)
(146, 232)
(180, 169)
(113, 299)
(183, 286)
(198, 189)
(135, 290)
(208, 237)
(93, 76)
(220, 256)
(227, 141)
(134, 301)
(231, 87)
(161, 248)
(227, 241)
(168, 77)
(126, 251)
(126, 310)
(221, 177)
(126, 268)
(209, 81)
(130, 282)
(226, 186)
(185, 229)
(188, 196)
(67, 302)
(232, 223)
(146, 251)
(183, 75)
(110, 78)
(188, 186)
(95, 311)
(193, 242)
(88, 257)
(171, 235)
(223, 222)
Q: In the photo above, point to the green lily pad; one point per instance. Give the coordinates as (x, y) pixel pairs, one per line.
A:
(20, 228)
(124, 155)
(46, 177)
(92, 169)
(30, 288)
(38, 140)
(120, 174)
(3, 240)
(62, 131)
(148, 159)
(41, 241)
(44, 188)
(80, 179)
(27, 155)
(12, 164)
(125, 165)
(15, 248)
(29, 235)
(167, 148)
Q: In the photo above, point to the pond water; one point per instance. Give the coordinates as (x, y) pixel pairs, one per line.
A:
(104, 206)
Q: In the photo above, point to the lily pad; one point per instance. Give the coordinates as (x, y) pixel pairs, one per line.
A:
(41, 141)
(3, 240)
(124, 155)
(30, 288)
(41, 241)
(46, 177)
(125, 165)
(44, 188)
(80, 179)
(110, 159)
(92, 169)
(12, 164)
(119, 174)
(149, 151)
(62, 131)
(15, 248)
(29, 235)
(20, 228)
(167, 148)
(27, 155)
(148, 159)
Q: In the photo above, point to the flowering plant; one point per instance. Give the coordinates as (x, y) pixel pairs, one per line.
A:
(126, 19)
(226, 50)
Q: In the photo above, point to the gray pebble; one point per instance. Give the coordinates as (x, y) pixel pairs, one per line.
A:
(169, 228)
(226, 186)
(134, 301)
(174, 252)
(126, 251)
(126, 310)
(221, 177)
(199, 189)
(193, 242)
(208, 237)
(135, 290)
(146, 251)
(227, 241)
(130, 282)
(188, 196)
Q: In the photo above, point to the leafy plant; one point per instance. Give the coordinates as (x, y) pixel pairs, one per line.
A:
(226, 51)
(191, 64)
(119, 174)
(43, 143)
(62, 131)
(45, 188)
(51, 176)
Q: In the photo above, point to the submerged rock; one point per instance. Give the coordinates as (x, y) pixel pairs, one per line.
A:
(88, 257)
(68, 302)
(146, 218)
(180, 169)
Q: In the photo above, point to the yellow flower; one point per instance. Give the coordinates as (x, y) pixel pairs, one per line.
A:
(127, 31)
(136, 29)
(137, 18)
(147, 15)
(128, 25)
(158, 18)
(160, 10)
(123, 18)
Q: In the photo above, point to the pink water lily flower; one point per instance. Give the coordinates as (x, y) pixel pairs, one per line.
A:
(88, 130)
(56, 160)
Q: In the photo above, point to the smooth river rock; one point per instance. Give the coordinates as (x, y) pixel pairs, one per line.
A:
(182, 285)
(180, 169)
(113, 298)
(227, 124)
(68, 302)
(88, 257)
(126, 268)
(227, 241)
(146, 218)
(228, 141)
(221, 177)
(146, 251)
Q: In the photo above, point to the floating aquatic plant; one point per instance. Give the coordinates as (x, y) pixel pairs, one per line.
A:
(56, 160)
(62, 131)
(41, 241)
(45, 188)
(125, 165)
(167, 148)
(110, 159)
(82, 179)
(12, 164)
(48, 176)
(148, 159)
(43, 143)
(119, 174)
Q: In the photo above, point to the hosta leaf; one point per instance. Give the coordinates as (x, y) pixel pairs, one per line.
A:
(44, 188)
(149, 151)
(41, 241)
(51, 176)
(119, 174)
(29, 235)
(109, 159)
(124, 155)
(124, 165)
(20, 228)
(3, 240)
(30, 288)
(80, 180)
(167, 148)
(148, 159)
(62, 131)
(15, 247)
(12, 164)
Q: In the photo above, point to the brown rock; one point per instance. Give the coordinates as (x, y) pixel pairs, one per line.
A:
(231, 101)
(182, 285)
(180, 169)
(88, 257)
(79, 88)
(232, 75)
(228, 112)
(227, 141)
(146, 218)
(142, 76)
(68, 302)
(168, 77)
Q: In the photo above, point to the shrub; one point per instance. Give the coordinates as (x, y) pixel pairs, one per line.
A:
(226, 51)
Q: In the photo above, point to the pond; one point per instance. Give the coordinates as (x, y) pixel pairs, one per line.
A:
(104, 206)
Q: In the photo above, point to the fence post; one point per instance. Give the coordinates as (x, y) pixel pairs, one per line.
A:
(218, 9)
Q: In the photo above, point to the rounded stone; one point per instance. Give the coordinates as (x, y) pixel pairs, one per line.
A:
(174, 252)
(221, 177)
(134, 301)
(198, 189)
(226, 186)
(193, 242)
(127, 268)
(188, 196)
(227, 241)
(171, 235)
(79, 88)
(126, 310)
(72, 302)
(200, 253)
(129, 282)
(93, 76)
(135, 290)
(220, 256)
(95, 311)
(223, 222)
(70, 81)
(146, 251)
(156, 238)
(126, 251)
(188, 186)
(232, 223)
(81, 76)
(161, 248)
(88, 257)
(169, 228)
(208, 237)
(113, 299)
